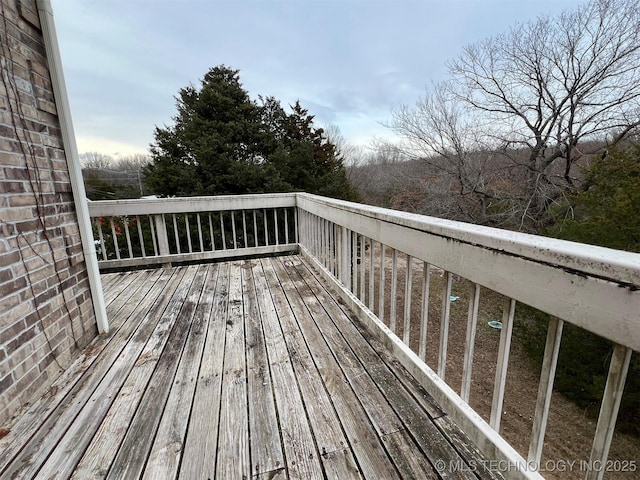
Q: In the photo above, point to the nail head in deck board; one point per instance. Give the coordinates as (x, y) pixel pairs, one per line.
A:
(340, 465)
(199, 458)
(91, 385)
(107, 422)
(299, 446)
(266, 447)
(164, 458)
(233, 442)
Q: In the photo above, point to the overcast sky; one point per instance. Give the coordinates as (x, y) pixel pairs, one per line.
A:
(348, 61)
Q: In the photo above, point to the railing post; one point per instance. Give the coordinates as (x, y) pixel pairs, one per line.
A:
(545, 389)
(472, 322)
(444, 326)
(345, 235)
(503, 363)
(163, 240)
(612, 396)
(339, 233)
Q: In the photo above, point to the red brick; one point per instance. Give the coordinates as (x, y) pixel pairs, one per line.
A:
(25, 356)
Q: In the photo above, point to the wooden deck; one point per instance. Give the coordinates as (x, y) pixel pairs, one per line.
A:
(234, 370)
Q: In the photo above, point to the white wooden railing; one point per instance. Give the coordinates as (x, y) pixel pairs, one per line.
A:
(594, 288)
(161, 231)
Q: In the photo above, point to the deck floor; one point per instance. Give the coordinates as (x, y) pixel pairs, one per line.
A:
(244, 369)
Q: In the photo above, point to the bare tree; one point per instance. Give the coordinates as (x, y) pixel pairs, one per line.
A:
(105, 176)
(352, 155)
(96, 160)
(132, 163)
(523, 109)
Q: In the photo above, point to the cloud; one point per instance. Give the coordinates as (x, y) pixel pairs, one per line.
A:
(349, 62)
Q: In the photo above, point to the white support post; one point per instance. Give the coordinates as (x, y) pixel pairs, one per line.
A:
(255, 230)
(545, 388)
(472, 321)
(102, 245)
(424, 317)
(381, 285)
(503, 363)
(323, 231)
(444, 327)
(244, 229)
(128, 236)
(200, 232)
(336, 250)
(176, 234)
(618, 369)
(114, 236)
(408, 286)
(362, 265)
(354, 263)
(154, 236)
(345, 262)
(161, 235)
(275, 222)
(187, 227)
(394, 291)
(286, 225)
(233, 230)
(140, 236)
(372, 275)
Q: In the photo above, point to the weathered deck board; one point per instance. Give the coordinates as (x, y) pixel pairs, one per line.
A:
(322, 416)
(300, 449)
(200, 447)
(363, 440)
(414, 419)
(331, 442)
(242, 369)
(88, 387)
(106, 415)
(164, 459)
(233, 442)
(72, 380)
(134, 449)
(266, 448)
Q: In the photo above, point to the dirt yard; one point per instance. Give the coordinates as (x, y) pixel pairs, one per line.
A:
(569, 432)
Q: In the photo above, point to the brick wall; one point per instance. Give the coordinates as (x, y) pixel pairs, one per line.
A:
(46, 313)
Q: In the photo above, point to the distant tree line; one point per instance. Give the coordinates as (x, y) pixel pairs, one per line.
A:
(109, 178)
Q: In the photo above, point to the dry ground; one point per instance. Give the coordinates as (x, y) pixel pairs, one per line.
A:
(569, 432)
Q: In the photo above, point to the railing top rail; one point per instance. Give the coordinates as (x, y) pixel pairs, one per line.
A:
(605, 263)
(154, 206)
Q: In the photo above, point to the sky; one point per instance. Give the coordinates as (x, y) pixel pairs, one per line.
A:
(349, 62)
